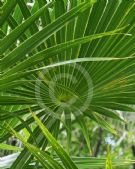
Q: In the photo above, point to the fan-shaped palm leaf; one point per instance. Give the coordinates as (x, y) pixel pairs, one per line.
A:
(63, 58)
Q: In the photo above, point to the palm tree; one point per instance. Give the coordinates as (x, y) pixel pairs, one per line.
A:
(63, 61)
